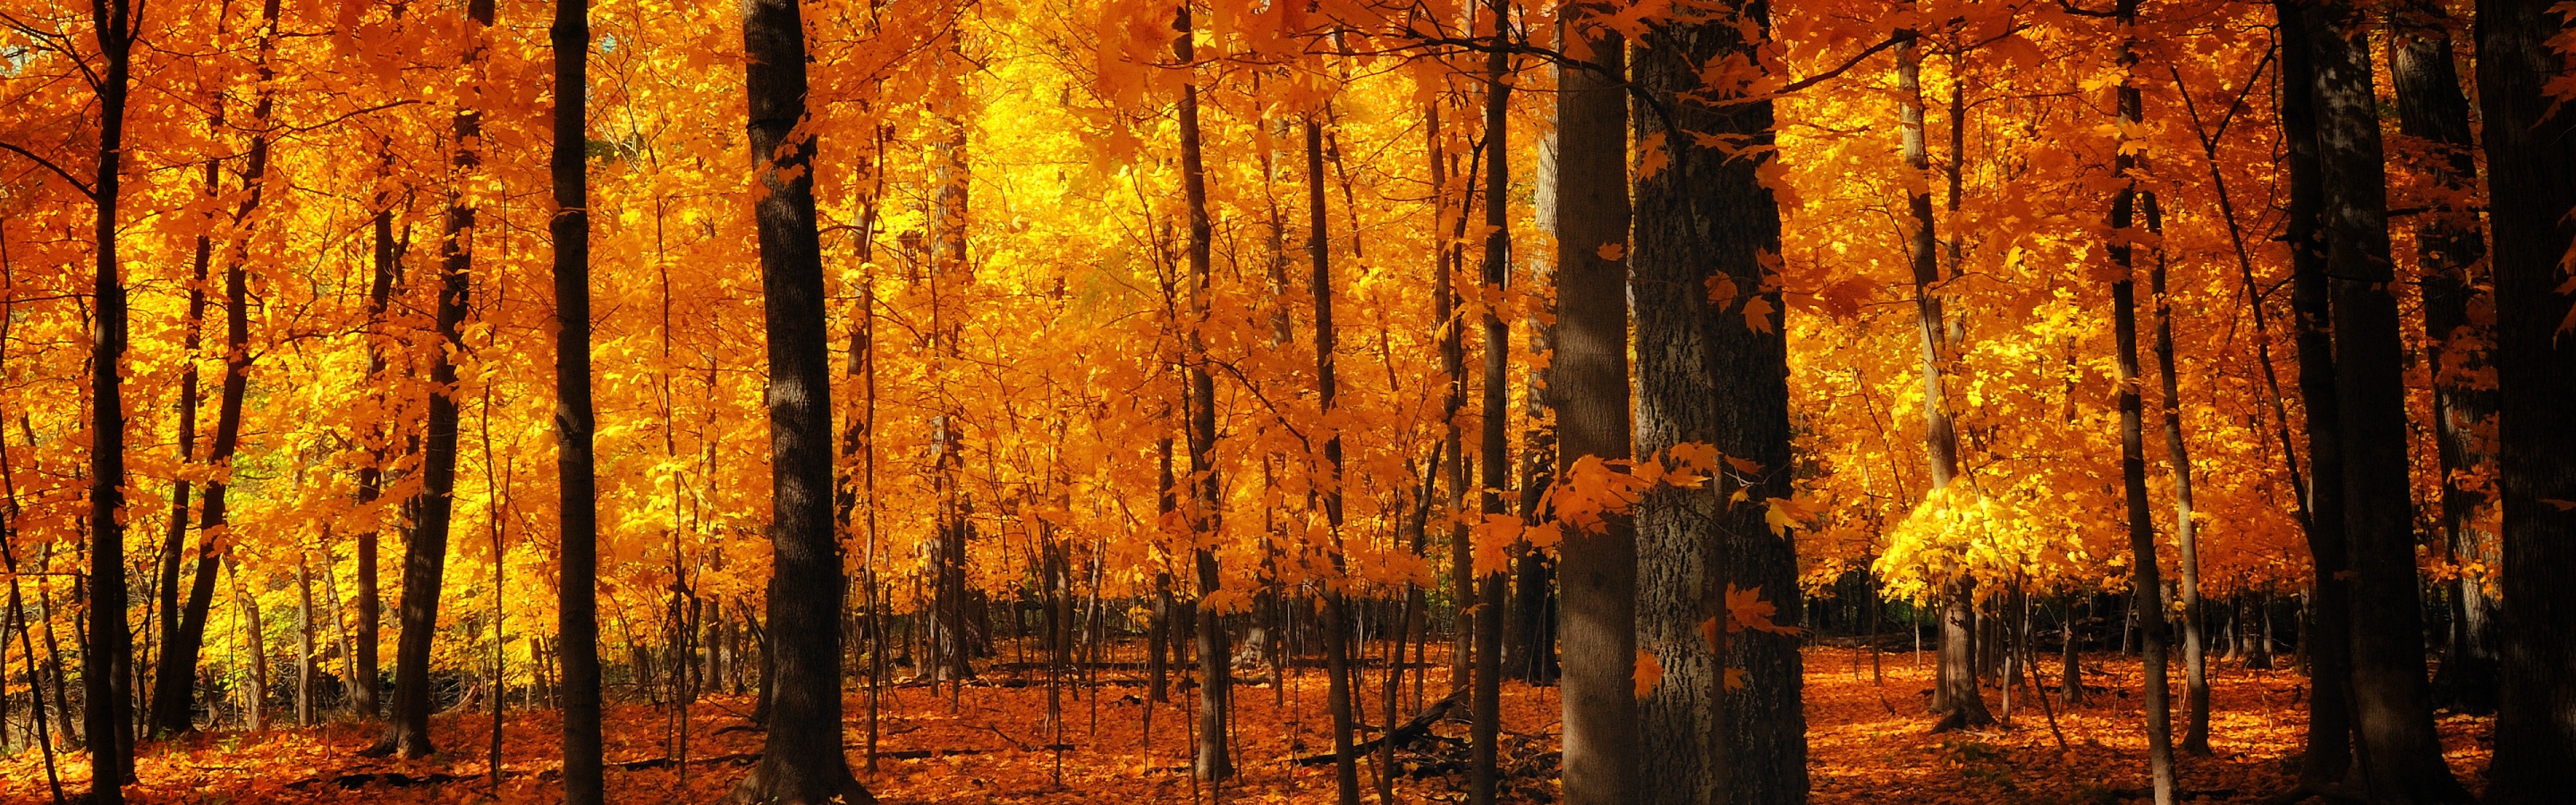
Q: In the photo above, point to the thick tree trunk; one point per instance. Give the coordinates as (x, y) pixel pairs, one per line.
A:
(801, 757)
(1598, 566)
(2402, 755)
(2531, 191)
(2145, 582)
(577, 594)
(1712, 370)
(2325, 640)
(2450, 252)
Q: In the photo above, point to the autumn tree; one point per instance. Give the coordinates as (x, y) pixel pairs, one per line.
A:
(2531, 190)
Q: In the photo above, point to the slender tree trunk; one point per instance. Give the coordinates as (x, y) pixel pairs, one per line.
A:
(577, 595)
(108, 655)
(2195, 651)
(2326, 640)
(1215, 676)
(1493, 452)
(2145, 581)
(2450, 253)
(801, 759)
(370, 477)
(1337, 610)
(425, 555)
(1598, 561)
(2531, 190)
(304, 644)
(2402, 755)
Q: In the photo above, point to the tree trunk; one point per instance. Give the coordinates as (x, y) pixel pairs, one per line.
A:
(2145, 582)
(2449, 253)
(1216, 678)
(2325, 641)
(2402, 755)
(1598, 564)
(1493, 452)
(303, 644)
(366, 678)
(108, 656)
(2531, 190)
(2195, 647)
(577, 594)
(801, 759)
(1712, 371)
(1337, 614)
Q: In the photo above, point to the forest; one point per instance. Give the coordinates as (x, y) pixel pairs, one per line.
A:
(1748, 402)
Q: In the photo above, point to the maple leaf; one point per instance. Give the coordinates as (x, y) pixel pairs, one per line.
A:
(1650, 672)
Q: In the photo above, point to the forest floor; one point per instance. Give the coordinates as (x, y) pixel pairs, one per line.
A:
(1868, 743)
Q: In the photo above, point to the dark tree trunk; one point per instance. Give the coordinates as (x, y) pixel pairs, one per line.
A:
(1216, 678)
(577, 595)
(1598, 565)
(2450, 252)
(108, 657)
(173, 700)
(801, 759)
(2402, 755)
(1493, 454)
(2531, 190)
(2145, 584)
(425, 555)
(1337, 613)
(1712, 370)
(2326, 639)
(371, 477)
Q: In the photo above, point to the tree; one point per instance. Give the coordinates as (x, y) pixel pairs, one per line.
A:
(1713, 372)
(2531, 190)
(801, 762)
(577, 601)
(2402, 756)
(2450, 253)
(2146, 588)
(107, 660)
(2328, 642)
(1597, 631)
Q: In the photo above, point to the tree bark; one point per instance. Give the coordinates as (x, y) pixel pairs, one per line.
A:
(108, 656)
(1216, 677)
(801, 757)
(2531, 190)
(2450, 251)
(2326, 640)
(1493, 451)
(2145, 582)
(1712, 370)
(577, 594)
(2195, 647)
(2402, 755)
(1337, 614)
(1597, 568)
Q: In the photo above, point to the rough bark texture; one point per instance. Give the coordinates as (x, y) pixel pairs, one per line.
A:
(1597, 634)
(801, 761)
(577, 598)
(2392, 704)
(2450, 252)
(2326, 640)
(2531, 190)
(1712, 370)
(1493, 453)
